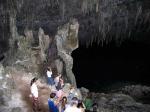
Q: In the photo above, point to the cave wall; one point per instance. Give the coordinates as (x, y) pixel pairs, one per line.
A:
(31, 22)
(4, 27)
(100, 20)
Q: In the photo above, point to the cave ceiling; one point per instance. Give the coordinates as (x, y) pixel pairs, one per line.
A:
(100, 20)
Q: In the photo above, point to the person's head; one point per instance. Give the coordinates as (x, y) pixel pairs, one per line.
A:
(74, 101)
(52, 95)
(33, 80)
(64, 99)
(49, 68)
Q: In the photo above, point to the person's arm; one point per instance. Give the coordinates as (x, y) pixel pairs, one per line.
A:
(41, 85)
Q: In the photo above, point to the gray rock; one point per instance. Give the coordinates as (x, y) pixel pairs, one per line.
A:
(84, 90)
(66, 41)
(138, 92)
(16, 109)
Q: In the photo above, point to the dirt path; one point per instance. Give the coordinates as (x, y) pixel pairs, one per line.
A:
(22, 82)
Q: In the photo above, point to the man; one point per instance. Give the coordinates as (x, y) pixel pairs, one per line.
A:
(52, 103)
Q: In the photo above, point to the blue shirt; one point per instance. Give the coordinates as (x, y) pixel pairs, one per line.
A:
(52, 106)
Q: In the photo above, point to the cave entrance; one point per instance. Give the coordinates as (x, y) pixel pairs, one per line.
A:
(100, 68)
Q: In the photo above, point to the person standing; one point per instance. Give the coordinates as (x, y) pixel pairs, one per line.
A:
(58, 82)
(49, 76)
(63, 104)
(34, 93)
(52, 103)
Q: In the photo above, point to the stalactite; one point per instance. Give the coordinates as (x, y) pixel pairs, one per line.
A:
(91, 40)
(109, 17)
(139, 11)
(84, 6)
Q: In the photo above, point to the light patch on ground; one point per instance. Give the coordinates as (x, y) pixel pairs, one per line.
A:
(22, 98)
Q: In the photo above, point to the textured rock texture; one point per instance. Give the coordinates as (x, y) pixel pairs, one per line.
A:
(138, 92)
(116, 102)
(11, 98)
(100, 20)
(66, 41)
(29, 31)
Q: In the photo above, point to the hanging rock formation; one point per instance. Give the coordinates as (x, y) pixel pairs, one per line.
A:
(100, 20)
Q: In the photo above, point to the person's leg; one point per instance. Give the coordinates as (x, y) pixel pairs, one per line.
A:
(36, 105)
(33, 105)
(49, 80)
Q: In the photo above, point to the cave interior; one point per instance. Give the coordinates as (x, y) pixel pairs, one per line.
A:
(112, 65)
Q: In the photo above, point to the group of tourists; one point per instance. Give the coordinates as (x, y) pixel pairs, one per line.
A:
(63, 105)
(58, 101)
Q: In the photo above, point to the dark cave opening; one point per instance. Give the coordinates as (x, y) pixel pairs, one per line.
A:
(101, 68)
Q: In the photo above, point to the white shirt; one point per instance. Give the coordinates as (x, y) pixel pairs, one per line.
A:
(72, 109)
(56, 80)
(49, 73)
(34, 90)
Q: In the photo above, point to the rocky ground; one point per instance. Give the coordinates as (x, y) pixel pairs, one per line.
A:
(14, 95)
(128, 99)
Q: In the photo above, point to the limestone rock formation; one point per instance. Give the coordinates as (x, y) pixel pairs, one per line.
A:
(25, 53)
(66, 41)
(100, 20)
(29, 30)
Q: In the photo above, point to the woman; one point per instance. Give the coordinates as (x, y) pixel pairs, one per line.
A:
(34, 93)
(63, 104)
